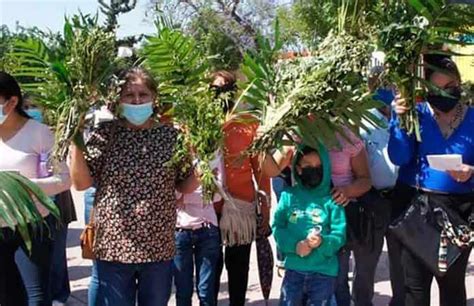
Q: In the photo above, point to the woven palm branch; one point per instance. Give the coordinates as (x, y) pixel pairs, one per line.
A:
(17, 204)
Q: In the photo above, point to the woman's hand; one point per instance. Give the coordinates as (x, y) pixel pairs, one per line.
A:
(463, 175)
(399, 105)
(339, 196)
(303, 249)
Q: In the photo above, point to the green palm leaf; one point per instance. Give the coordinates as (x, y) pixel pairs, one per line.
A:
(183, 74)
(17, 204)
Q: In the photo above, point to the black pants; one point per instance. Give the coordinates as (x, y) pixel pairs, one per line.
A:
(24, 275)
(418, 278)
(452, 286)
(400, 199)
(237, 263)
(366, 254)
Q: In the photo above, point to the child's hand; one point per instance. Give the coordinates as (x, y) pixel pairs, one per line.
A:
(314, 241)
(303, 249)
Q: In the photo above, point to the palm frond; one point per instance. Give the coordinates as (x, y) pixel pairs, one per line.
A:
(18, 210)
(316, 97)
(67, 87)
(183, 74)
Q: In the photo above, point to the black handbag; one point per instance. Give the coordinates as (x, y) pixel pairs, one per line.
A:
(419, 230)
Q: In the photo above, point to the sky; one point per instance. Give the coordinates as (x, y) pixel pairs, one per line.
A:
(49, 14)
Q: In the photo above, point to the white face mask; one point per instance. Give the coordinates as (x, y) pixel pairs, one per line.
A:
(3, 117)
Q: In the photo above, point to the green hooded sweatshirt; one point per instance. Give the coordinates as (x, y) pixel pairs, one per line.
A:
(301, 209)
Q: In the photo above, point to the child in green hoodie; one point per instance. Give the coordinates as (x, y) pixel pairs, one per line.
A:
(309, 228)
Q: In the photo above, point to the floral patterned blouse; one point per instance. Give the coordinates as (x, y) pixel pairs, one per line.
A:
(135, 207)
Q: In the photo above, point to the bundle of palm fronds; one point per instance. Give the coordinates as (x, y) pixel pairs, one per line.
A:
(183, 71)
(70, 85)
(410, 28)
(314, 98)
(17, 204)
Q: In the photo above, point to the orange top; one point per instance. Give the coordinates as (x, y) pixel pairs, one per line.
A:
(238, 136)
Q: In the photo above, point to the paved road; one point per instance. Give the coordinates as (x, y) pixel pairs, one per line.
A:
(79, 272)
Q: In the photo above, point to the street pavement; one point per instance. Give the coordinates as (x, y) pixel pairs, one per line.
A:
(80, 269)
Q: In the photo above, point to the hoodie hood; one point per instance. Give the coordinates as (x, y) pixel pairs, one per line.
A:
(324, 188)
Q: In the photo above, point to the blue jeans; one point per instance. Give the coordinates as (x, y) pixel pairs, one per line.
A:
(202, 248)
(59, 277)
(24, 276)
(306, 288)
(123, 284)
(93, 292)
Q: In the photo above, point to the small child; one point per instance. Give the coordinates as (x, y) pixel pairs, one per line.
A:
(309, 229)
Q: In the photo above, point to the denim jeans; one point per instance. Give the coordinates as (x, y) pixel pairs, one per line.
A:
(59, 277)
(93, 291)
(124, 284)
(24, 276)
(198, 251)
(306, 288)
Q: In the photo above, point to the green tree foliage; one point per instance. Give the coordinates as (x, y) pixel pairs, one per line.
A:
(113, 9)
(225, 29)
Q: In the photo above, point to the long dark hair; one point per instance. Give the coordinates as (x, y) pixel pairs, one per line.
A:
(442, 63)
(9, 87)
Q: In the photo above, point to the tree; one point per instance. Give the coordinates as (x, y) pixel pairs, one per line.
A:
(225, 28)
(114, 9)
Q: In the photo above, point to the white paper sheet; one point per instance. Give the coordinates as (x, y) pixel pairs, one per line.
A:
(445, 162)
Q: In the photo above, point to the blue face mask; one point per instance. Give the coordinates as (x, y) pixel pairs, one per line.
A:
(35, 114)
(3, 117)
(137, 114)
(384, 95)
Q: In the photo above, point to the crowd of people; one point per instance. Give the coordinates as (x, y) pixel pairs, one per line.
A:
(154, 230)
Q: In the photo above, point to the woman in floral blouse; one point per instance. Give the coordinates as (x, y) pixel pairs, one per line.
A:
(128, 159)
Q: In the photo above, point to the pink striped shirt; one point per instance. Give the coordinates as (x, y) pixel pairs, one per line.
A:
(342, 174)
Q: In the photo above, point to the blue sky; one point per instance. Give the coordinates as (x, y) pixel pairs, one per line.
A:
(49, 14)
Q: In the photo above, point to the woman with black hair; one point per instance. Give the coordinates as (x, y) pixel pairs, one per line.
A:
(446, 128)
(24, 143)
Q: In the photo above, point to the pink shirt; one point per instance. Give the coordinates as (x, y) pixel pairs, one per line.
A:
(21, 153)
(193, 212)
(342, 174)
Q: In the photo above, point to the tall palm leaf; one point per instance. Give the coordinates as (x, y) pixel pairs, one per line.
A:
(183, 73)
(17, 204)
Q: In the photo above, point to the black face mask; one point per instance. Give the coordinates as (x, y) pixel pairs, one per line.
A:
(311, 177)
(226, 94)
(445, 104)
